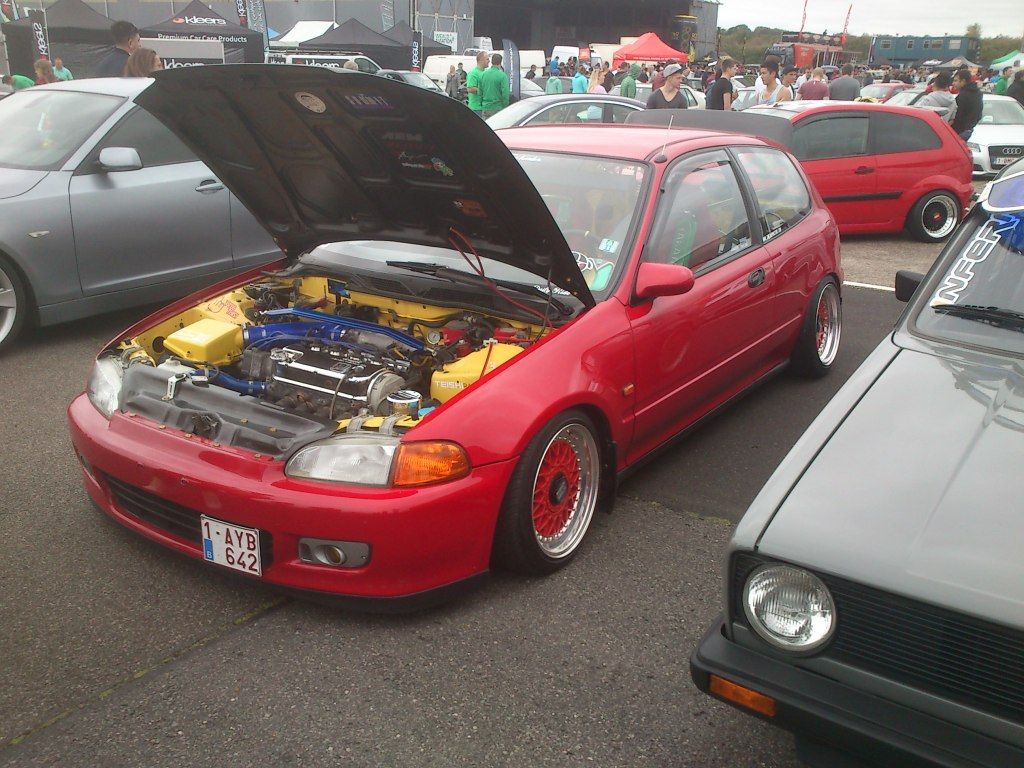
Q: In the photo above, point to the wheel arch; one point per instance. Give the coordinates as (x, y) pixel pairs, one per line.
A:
(32, 313)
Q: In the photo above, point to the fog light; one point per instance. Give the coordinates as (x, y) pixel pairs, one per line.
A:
(337, 554)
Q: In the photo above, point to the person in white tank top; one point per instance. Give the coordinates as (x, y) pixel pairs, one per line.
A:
(773, 92)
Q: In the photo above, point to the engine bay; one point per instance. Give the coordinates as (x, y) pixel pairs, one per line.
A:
(308, 349)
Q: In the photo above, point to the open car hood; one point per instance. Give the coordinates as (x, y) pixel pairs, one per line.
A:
(320, 156)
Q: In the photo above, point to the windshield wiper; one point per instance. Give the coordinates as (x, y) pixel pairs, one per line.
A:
(466, 278)
(1001, 318)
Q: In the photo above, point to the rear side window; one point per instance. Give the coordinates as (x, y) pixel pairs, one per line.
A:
(779, 189)
(845, 136)
(901, 133)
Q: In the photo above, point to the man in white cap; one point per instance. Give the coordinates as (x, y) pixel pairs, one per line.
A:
(669, 95)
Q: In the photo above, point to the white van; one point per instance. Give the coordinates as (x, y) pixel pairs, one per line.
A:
(526, 58)
(566, 52)
(329, 59)
(436, 67)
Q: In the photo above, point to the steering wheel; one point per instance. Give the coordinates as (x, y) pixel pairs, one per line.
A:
(588, 243)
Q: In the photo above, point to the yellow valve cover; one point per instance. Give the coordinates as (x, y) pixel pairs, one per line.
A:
(455, 377)
(214, 342)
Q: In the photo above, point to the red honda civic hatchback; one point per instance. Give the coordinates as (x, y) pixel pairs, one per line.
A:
(881, 168)
(466, 343)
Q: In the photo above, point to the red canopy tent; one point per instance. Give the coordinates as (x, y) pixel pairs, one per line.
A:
(648, 47)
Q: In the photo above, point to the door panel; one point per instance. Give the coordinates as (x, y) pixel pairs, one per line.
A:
(251, 244)
(906, 150)
(136, 228)
(695, 350)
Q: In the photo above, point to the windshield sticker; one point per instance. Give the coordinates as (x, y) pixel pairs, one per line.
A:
(311, 102)
(977, 250)
(609, 246)
(441, 166)
(596, 272)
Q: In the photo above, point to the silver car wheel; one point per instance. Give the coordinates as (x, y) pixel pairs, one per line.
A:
(939, 217)
(8, 304)
(829, 324)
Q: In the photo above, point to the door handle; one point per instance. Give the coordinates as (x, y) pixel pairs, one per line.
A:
(862, 169)
(755, 278)
(210, 185)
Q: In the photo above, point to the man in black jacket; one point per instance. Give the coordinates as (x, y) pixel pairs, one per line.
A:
(968, 104)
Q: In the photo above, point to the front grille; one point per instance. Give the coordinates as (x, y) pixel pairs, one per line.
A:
(170, 517)
(960, 658)
(1014, 152)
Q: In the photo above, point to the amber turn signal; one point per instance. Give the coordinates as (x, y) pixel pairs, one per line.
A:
(742, 697)
(424, 463)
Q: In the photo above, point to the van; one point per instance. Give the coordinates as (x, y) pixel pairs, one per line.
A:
(330, 59)
(526, 58)
(566, 52)
(436, 67)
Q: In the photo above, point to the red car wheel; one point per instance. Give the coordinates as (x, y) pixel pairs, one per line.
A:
(551, 497)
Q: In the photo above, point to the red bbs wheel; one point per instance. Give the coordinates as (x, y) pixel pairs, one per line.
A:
(551, 498)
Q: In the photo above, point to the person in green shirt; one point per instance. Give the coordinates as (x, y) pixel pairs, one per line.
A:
(999, 86)
(62, 72)
(553, 85)
(628, 86)
(473, 82)
(494, 88)
(18, 82)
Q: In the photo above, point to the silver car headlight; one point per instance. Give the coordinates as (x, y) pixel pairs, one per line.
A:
(359, 459)
(789, 607)
(104, 388)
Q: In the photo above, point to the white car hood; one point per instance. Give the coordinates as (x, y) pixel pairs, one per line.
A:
(997, 134)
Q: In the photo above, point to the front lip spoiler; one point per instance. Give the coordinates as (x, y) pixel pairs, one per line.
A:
(845, 719)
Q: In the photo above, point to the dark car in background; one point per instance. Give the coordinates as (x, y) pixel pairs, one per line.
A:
(875, 587)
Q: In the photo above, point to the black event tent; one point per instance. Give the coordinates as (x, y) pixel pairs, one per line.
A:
(199, 22)
(403, 34)
(355, 37)
(78, 35)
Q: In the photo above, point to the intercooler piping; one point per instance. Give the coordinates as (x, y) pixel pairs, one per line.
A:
(335, 322)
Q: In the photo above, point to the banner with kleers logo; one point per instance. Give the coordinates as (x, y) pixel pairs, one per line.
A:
(40, 37)
(511, 55)
(243, 13)
(9, 10)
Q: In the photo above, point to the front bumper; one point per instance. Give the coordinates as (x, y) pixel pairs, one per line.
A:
(838, 725)
(421, 539)
(982, 161)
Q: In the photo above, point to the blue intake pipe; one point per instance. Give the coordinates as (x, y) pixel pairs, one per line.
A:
(340, 322)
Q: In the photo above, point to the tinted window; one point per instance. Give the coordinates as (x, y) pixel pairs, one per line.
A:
(701, 217)
(831, 137)
(145, 134)
(901, 133)
(619, 113)
(781, 194)
(365, 65)
(550, 116)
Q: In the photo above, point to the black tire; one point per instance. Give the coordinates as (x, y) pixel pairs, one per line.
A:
(520, 543)
(12, 292)
(934, 217)
(818, 345)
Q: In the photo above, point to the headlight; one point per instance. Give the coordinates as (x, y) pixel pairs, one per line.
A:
(368, 459)
(105, 385)
(789, 607)
(973, 147)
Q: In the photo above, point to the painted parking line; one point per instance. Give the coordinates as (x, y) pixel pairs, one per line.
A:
(869, 285)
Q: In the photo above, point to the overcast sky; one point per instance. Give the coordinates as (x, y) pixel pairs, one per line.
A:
(894, 17)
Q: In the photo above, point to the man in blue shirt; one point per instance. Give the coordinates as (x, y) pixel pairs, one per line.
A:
(579, 82)
(553, 67)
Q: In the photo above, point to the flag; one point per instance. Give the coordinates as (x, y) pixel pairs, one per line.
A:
(40, 37)
(9, 10)
(511, 57)
(243, 13)
(803, 23)
(842, 40)
(256, 18)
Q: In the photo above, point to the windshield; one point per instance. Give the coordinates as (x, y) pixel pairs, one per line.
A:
(904, 98)
(875, 91)
(42, 128)
(1000, 112)
(420, 80)
(982, 285)
(745, 97)
(511, 115)
(595, 202)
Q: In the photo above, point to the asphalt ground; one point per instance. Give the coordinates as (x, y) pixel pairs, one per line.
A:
(115, 652)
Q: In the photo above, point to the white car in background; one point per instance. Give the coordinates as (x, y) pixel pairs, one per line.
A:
(694, 99)
(998, 140)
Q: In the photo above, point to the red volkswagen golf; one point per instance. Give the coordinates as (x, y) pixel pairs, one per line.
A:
(465, 344)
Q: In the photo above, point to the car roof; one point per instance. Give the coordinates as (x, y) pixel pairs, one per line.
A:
(127, 87)
(548, 98)
(631, 142)
(997, 97)
(798, 108)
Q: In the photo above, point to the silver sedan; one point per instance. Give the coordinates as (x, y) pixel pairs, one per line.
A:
(103, 208)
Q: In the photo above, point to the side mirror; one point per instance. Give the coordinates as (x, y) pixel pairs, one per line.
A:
(906, 283)
(662, 280)
(119, 159)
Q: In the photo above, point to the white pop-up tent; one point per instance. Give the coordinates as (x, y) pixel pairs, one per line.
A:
(301, 32)
(1013, 59)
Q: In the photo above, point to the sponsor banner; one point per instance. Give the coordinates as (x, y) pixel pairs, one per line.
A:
(200, 20)
(416, 51)
(183, 52)
(243, 13)
(213, 38)
(256, 18)
(451, 39)
(40, 37)
(9, 10)
(583, 57)
(511, 55)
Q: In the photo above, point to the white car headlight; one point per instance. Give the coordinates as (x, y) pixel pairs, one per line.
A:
(105, 385)
(360, 459)
(789, 607)
(973, 147)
